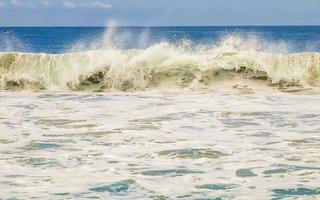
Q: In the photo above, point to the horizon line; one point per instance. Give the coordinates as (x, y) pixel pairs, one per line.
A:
(151, 26)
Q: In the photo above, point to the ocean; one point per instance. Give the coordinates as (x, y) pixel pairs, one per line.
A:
(160, 113)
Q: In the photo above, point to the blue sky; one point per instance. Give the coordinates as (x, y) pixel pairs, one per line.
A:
(158, 12)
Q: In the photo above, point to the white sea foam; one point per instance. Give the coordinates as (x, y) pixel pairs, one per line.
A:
(182, 65)
(147, 145)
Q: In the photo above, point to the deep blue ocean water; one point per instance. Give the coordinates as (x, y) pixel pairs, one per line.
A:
(62, 39)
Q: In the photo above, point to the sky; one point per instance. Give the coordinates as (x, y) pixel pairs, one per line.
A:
(158, 12)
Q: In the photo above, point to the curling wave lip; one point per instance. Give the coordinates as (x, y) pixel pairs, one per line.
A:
(158, 65)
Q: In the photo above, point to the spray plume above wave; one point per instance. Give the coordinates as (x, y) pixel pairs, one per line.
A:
(235, 60)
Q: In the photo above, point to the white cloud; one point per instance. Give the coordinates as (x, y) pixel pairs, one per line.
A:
(2, 4)
(27, 3)
(71, 4)
(16, 3)
(68, 4)
(99, 4)
(95, 4)
(45, 3)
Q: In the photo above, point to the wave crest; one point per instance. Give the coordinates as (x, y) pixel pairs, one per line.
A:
(161, 65)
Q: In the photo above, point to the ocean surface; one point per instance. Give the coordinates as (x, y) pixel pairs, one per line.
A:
(160, 113)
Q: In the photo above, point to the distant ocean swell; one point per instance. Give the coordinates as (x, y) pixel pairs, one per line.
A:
(160, 65)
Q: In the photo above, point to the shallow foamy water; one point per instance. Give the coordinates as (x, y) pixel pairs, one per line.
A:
(152, 145)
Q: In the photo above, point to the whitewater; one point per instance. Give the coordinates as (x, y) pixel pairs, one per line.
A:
(161, 64)
(234, 119)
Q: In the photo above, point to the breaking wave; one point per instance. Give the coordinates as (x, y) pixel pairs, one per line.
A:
(162, 65)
